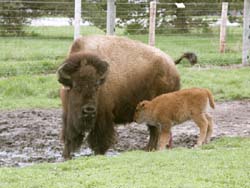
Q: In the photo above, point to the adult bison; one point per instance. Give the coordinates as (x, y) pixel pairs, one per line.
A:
(104, 78)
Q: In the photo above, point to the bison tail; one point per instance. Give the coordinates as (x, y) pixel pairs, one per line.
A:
(191, 57)
(210, 98)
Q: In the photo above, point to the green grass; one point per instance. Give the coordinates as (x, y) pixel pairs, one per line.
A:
(205, 46)
(50, 43)
(29, 67)
(226, 84)
(25, 61)
(222, 164)
(43, 44)
(29, 91)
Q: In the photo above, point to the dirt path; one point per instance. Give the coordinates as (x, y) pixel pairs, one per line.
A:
(32, 136)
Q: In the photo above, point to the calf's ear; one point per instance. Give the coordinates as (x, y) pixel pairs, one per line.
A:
(144, 103)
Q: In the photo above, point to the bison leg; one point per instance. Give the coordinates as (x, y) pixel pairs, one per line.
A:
(66, 150)
(153, 139)
(102, 137)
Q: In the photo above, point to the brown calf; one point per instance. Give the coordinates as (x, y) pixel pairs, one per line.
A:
(174, 108)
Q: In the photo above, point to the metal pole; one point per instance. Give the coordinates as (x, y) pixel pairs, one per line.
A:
(111, 15)
(77, 21)
(152, 23)
(246, 34)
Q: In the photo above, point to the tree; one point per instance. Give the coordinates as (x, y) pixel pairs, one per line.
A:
(13, 16)
(131, 14)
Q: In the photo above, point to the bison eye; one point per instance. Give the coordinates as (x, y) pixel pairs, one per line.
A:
(77, 88)
(100, 82)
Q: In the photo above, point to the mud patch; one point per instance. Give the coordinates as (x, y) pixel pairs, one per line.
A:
(32, 136)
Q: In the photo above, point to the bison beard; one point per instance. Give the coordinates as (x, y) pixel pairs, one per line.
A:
(103, 135)
(134, 72)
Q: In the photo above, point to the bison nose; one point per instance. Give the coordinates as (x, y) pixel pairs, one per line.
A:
(88, 109)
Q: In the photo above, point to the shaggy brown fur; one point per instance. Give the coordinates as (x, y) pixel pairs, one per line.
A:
(174, 108)
(136, 72)
(82, 74)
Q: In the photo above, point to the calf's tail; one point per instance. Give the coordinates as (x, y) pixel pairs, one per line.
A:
(210, 98)
(190, 56)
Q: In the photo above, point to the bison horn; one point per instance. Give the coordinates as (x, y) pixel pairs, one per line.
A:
(63, 77)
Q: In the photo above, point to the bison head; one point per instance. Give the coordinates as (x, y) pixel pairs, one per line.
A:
(83, 74)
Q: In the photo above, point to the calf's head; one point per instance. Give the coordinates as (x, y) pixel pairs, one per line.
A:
(83, 74)
(140, 115)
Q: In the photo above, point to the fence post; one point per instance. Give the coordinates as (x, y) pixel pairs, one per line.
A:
(77, 21)
(111, 15)
(246, 34)
(152, 23)
(223, 27)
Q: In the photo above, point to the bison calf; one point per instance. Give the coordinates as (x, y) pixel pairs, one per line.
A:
(174, 108)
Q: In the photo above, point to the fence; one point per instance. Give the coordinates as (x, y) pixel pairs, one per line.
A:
(40, 32)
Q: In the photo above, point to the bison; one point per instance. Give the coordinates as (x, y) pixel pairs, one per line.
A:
(174, 108)
(104, 78)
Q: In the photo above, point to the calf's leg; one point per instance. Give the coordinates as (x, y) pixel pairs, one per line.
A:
(202, 122)
(170, 142)
(164, 138)
(209, 129)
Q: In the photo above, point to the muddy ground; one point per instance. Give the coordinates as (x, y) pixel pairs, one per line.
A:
(32, 136)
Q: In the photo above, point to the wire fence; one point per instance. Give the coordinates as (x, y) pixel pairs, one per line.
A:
(35, 33)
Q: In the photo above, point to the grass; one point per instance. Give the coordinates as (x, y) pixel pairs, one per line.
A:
(226, 84)
(49, 43)
(28, 91)
(25, 61)
(41, 91)
(206, 46)
(223, 163)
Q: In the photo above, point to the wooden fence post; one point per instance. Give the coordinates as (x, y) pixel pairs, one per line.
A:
(246, 34)
(152, 23)
(77, 21)
(111, 15)
(223, 27)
